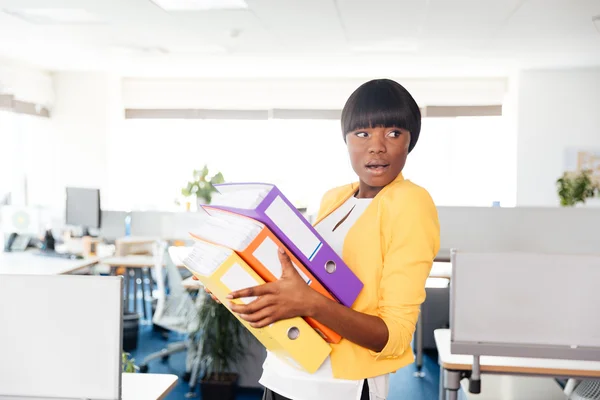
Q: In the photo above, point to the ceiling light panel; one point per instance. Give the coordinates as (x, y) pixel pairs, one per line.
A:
(55, 15)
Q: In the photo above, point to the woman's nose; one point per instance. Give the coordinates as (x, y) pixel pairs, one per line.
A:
(376, 145)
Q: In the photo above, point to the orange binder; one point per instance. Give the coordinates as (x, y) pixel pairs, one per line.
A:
(259, 251)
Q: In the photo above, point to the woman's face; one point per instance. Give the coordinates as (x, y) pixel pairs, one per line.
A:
(377, 156)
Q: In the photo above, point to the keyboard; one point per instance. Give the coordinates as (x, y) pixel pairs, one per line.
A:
(55, 254)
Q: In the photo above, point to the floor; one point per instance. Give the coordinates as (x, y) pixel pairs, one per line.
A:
(403, 385)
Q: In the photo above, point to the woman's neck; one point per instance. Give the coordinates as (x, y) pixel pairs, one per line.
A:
(366, 192)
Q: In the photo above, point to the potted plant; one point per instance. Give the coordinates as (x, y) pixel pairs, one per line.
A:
(202, 185)
(128, 363)
(576, 187)
(222, 344)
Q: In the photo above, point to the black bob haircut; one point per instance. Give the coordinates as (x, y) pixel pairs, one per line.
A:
(382, 103)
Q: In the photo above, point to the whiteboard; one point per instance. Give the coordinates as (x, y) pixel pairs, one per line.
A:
(526, 299)
(60, 336)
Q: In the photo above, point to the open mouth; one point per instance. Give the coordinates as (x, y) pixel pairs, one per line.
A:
(377, 167)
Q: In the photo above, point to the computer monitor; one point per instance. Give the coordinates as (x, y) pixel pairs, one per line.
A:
(83, 208)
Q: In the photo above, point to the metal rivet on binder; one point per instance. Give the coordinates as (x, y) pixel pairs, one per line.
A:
(293, 333)
(330, 267)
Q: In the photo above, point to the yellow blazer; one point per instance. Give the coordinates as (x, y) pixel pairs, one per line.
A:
(391, 249)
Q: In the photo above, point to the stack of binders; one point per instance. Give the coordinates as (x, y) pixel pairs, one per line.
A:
(236, 247)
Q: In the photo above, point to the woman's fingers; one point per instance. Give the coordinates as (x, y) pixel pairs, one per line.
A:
(255, 291)
(260, 315)
(263, 322)
(254, 306)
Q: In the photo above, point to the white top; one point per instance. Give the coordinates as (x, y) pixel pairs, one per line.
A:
(296, 384)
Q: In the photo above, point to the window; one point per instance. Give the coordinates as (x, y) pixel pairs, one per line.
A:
(28, 161)
(151, 160)
(467, 161)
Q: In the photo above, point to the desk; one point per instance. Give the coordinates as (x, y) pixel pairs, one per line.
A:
(146, 386)
(441, 269)
(452, 366)
(132, 261)
(28, 263)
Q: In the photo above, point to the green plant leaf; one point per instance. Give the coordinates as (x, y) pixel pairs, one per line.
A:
(203, 174)
(573, 188)
(218, 178)
(201, 187)
(128, 363)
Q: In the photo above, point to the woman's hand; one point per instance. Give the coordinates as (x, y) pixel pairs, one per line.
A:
(291, 297)
(287, 297)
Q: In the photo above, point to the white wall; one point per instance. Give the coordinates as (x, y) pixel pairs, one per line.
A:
(556, 110)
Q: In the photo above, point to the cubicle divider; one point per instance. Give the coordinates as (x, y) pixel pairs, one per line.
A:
(65, 341)
(572, 230)
(159, 224)
(541, 229)
(524, 305)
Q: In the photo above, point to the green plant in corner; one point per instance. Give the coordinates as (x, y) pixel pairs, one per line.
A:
(202, 185)
(576, 187)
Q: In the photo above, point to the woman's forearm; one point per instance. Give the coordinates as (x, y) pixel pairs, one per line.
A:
(365, 330)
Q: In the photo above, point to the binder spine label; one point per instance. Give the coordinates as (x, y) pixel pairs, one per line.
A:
(293, 227)
(236, 278)
(266, 253)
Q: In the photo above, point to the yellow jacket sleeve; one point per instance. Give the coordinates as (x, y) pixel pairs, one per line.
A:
(411, 240)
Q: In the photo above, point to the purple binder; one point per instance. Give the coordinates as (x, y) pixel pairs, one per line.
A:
(286, 222)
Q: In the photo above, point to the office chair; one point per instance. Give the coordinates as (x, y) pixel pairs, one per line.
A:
(177, 312)
(587, 389)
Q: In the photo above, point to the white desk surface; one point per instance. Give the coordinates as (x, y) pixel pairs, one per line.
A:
(441, 269)
(137, 239)
(513, 365)
(137, 386)
(131, 261)
(27, 263)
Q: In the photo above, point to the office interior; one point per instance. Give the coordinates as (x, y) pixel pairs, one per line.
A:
(110, 110)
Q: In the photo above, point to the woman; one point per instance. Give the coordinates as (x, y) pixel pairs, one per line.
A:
(386, 229)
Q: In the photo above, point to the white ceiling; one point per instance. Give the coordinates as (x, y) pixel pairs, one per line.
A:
(291, 38)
